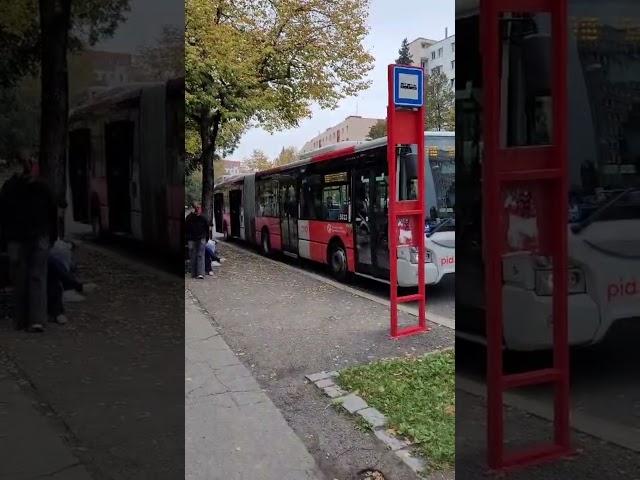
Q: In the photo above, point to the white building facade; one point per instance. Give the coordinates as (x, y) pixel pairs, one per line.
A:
(435, 56)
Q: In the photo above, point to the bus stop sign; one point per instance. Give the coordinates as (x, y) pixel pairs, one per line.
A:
(408, 86)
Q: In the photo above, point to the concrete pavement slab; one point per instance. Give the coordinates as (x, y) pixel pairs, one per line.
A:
(233, 431)
(31, 445)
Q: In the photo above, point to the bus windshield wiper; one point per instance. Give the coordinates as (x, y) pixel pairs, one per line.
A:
(578, 227)
(446, 221)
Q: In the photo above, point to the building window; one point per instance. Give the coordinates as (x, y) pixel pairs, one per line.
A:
(425, 44)
(433, 55)
(453, 47)
(436, 70)
(453, 64)
(453, 83)
(439, 52)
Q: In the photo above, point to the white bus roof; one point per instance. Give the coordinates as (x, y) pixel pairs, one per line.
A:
(353, 146)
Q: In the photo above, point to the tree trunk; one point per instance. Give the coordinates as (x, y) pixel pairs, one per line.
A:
(209, 127)
(54, 28)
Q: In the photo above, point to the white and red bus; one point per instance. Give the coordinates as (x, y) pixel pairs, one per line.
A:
(330, 206)
(604, 172)
(126, 163)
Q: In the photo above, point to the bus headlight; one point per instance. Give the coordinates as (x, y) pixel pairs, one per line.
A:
(408, 254)
(544, 282)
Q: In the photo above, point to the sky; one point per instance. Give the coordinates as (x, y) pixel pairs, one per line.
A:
(388, 26)
(143, 24)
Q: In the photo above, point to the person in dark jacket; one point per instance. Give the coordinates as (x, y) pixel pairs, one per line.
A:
(29, 217)
(197, 233)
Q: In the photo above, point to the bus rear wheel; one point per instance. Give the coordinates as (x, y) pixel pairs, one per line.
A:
(338, 261)
(266, 243)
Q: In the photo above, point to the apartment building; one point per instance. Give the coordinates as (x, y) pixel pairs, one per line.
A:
(435, 56)
(351, 128)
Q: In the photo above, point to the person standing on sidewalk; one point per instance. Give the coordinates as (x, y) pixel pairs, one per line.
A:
(197, 232)
(29, 218)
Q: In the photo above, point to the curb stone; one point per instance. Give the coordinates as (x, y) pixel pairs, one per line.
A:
(377, 421)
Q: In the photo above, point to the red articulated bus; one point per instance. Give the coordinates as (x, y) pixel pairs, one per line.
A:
(126, 163)
(330, 206)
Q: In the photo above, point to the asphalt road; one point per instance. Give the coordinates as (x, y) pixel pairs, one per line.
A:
(440, 297)
(605, 397)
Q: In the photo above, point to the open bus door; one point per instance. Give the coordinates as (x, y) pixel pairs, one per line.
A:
(525, 172)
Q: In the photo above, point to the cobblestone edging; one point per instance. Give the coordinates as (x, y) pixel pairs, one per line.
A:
(355, 405)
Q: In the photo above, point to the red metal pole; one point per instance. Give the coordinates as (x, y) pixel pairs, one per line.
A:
(391, 203)
(560, 285)
(492, 231)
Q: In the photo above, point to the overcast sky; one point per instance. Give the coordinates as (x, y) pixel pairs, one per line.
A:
(390, 22)
(144, 24)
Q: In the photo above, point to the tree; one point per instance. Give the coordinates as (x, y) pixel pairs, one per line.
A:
(286, 156)
(379, 129)
(193, 186)
(164, 59)
(265, 63)
(258, 161)
(89, 20)
(404, 56)
(440, 102)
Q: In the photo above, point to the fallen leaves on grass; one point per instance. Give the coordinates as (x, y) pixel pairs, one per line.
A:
(418, 397)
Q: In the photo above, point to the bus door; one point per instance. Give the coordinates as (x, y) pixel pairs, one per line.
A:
(288, 198)
(235, 204)
(218, 205)
(119, 154)
(79, 155)
(371, 220)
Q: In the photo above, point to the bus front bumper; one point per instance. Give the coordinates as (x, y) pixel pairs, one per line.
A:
(527, 319)
(408, 273)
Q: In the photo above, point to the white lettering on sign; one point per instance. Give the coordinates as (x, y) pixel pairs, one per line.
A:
(408, 86)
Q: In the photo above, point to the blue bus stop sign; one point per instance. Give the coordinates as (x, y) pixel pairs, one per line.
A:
(408, 87)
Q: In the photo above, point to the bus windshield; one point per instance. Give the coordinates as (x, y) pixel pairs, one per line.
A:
(440, 180)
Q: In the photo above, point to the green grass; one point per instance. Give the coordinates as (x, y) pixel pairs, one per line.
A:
(417, 395)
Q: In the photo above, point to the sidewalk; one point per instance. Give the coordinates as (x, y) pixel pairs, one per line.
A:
(283, 325)
(232, 430)
(112, 376)
(32, 445)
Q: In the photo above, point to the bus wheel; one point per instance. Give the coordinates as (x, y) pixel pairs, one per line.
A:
(266, 243)
(338, 261)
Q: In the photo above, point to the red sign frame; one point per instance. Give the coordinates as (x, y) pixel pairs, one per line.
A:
(405, 126)
(546, 168)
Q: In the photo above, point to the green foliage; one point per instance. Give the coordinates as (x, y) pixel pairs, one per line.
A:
(258, 161)
(20, 39)
(265, 63)
(418, 397)
(193, 187)
(440, 102)
(286, 156)
(404, 56)
(378, 130)
(19, 117)
(164, 59)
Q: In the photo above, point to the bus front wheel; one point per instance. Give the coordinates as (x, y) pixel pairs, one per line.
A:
(338, 261)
